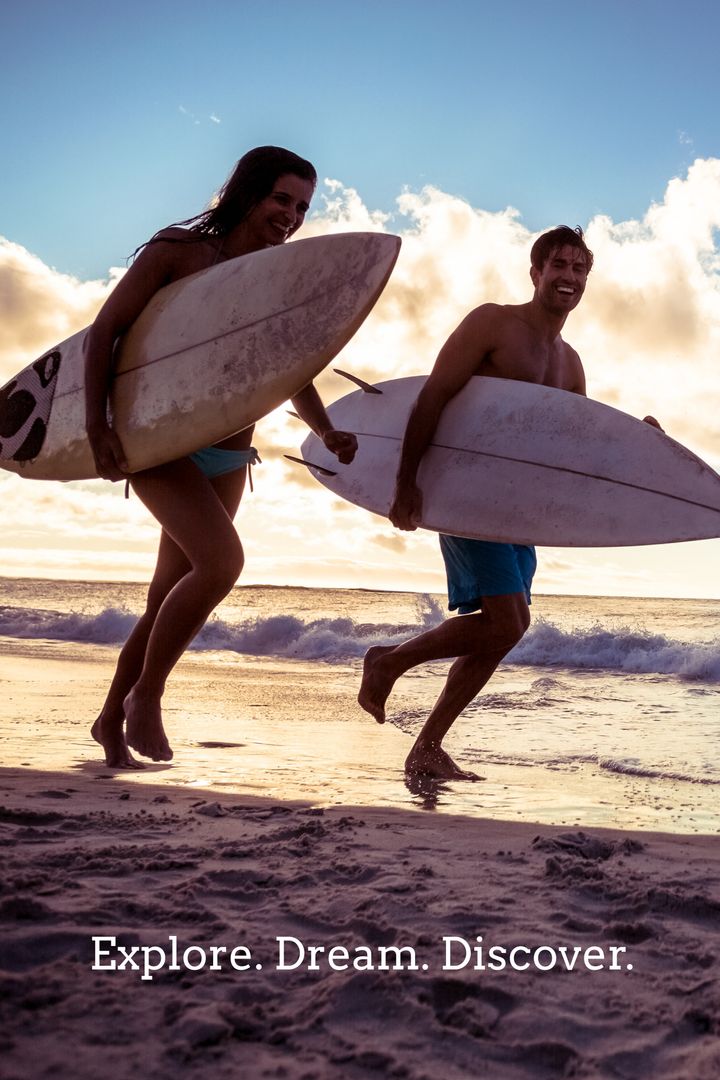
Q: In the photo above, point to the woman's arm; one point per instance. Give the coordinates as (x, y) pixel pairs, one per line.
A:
(151, 270)
(310, 408)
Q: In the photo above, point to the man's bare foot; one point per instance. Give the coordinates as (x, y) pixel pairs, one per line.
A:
(435, 762)
(375, 686)
(145, 731)
(111, 738)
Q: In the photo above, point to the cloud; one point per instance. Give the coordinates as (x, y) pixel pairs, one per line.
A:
(395, 543)
(648, 328)
(191, 116)
(212, 117)
(40, 307)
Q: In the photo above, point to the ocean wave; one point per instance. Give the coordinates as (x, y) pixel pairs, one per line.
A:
(109, 627)
(623, 650)
(290, 637)
(623, 767)
(632, 768)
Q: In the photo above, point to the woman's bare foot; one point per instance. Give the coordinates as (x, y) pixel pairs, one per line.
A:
(436, 762)
(111, 738)
(376, 684)
(145, 731)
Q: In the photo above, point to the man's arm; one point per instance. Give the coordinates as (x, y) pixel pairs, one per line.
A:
(457, 362)
(576, 382)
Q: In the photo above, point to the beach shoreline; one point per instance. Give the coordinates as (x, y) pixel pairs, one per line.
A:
(292, 729)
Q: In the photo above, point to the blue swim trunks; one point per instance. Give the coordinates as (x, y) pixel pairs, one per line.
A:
(477, 568)
(216, 461)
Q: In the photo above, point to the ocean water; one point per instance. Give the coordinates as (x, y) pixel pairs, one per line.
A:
(598, 686)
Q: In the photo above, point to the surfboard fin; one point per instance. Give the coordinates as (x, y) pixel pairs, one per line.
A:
(366, 386)
(310, 465)
(293, 414)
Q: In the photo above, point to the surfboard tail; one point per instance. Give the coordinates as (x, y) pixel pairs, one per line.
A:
(310, 465)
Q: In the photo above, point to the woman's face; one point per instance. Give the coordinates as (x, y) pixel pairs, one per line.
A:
(281, 213)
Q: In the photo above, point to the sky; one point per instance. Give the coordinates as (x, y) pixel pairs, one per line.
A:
(467, 129)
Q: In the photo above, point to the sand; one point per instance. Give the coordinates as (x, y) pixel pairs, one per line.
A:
(136, 908)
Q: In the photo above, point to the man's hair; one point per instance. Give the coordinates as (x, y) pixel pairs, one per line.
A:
(563, 236)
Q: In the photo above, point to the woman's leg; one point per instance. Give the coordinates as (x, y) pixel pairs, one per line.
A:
(192, 513)
(201, 545)
(108, 729)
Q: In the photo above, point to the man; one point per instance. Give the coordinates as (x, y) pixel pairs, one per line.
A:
(488, 583)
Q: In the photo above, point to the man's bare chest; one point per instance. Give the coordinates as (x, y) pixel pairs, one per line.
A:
(529, 361)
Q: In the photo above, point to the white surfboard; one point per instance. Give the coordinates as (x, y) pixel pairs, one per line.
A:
(526, 464)
(208, 356)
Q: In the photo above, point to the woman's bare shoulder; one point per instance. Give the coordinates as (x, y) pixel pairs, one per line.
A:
(175, 233)
(179, 251)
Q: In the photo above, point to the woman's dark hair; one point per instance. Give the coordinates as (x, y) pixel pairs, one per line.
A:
(251, 180)
(550, 241)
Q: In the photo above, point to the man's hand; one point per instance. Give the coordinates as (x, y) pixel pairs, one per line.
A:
(342, 444)
(406, 507)
(652, 422)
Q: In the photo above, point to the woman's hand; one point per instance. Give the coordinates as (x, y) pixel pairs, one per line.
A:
(342, 444)
(110, 460)
(311, 411)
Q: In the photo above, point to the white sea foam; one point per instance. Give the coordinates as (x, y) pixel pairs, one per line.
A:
(598, 648)
(636, 768)
(622, 649)
(109, 627)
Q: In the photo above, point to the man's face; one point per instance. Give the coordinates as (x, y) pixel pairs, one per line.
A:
(561, 282)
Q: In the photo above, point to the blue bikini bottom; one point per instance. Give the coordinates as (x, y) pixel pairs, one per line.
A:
(215, 461)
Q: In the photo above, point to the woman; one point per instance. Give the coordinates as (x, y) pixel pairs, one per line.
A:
(195, 498)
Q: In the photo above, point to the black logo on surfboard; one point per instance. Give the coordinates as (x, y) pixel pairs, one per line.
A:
(25, 404)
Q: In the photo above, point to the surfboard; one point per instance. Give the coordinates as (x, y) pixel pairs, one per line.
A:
(208, 356)
(525, 464)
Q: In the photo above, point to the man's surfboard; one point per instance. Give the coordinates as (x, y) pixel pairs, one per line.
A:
(208, 356)
(526, 464)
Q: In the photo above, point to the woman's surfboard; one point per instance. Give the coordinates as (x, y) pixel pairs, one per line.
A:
(208, 356)
(526, 464)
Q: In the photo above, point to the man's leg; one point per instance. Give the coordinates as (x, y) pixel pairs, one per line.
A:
(506, 620)
(480, 639)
